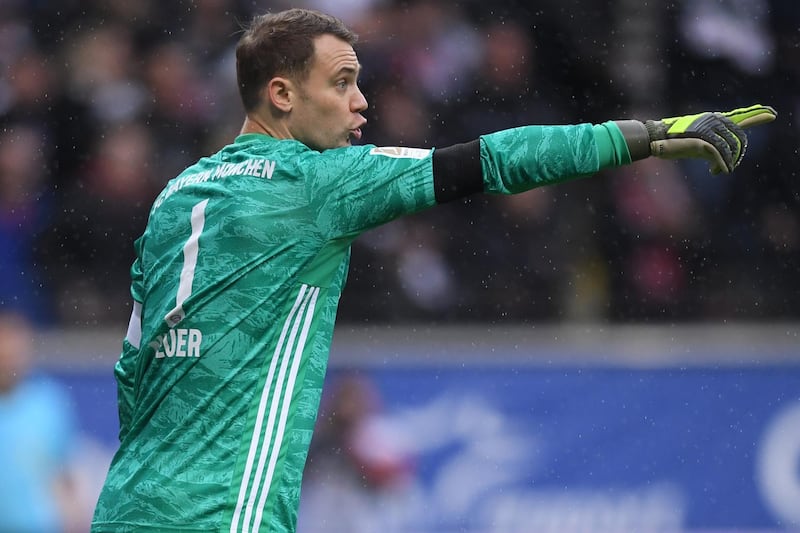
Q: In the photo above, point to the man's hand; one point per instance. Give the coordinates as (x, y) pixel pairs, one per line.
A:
(716, 137)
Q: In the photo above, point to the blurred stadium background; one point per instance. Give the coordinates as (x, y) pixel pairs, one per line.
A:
(540, 429)
(613, 354)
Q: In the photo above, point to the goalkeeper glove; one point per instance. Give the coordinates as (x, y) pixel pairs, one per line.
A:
(716, 137)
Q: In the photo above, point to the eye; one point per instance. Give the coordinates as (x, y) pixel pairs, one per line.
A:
(342, 84)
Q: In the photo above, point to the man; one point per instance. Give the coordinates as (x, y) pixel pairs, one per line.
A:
(38, 432)
(239, 271)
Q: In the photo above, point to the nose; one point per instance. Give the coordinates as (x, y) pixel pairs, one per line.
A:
(359, 102)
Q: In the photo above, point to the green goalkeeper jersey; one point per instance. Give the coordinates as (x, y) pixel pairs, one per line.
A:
(236, 284)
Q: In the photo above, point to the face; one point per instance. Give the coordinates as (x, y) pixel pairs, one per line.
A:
(326, 112)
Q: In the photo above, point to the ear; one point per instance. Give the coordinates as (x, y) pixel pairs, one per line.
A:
(279, 92)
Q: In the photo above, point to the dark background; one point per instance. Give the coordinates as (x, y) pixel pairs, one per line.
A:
(102, 102)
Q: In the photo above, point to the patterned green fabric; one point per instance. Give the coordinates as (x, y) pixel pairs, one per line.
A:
(520, 159)
(236, 283)
(241, 346)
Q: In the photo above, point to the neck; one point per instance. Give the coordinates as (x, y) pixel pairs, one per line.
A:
(254, 124)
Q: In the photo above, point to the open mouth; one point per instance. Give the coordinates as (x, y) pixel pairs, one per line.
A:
(356, 134)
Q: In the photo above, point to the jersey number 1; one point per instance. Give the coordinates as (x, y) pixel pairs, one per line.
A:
(190, 250)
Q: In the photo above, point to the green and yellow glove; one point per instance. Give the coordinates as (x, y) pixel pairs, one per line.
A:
(714, 136)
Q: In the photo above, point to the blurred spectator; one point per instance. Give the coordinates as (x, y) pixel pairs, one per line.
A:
(24, 213)
(33, 92)
(103, 76)
(655, 211)
(358, 472)
(509, 90)
(37, 440)
(90, 243)
(183, 106)
(408, 274)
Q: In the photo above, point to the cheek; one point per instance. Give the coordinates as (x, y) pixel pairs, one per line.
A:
(331, 122)
(325, 122)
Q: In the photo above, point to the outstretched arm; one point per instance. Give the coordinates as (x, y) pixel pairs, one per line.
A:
(519, 159)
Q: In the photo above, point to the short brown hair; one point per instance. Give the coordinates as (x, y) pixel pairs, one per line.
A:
(281, 44)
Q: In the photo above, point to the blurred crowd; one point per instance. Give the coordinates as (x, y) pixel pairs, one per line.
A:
(102, 102)
(360, 460)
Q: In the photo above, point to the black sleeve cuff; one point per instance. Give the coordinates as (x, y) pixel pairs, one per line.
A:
(457, 171)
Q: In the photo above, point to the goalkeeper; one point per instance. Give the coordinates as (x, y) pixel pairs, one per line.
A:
(240, 268)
